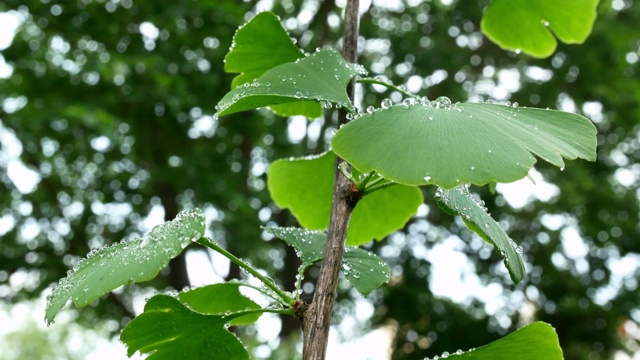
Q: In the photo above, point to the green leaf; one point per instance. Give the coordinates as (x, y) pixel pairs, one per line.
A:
(217, 299)
(448, 145)
(529, 25)
(259, 45)
(364, 270)
(169, 330)
(305, 186)
(126, 262)
(322, 76)
(382, 212)
(309, 245)
(459, 201)
(535, 341)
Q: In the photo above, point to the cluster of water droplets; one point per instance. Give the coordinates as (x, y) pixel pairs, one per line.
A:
(111, 263)
(446, 354)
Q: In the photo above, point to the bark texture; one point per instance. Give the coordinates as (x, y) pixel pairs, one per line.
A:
(317, 317)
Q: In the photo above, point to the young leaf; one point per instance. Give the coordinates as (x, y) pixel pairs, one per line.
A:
(529, 25)
(126, 262)
(169, 330)
(305, 186)
(217, 299)
(309, 245)
(535, 341)
(459, 201)
(448, 145)
(382, 212)
(364, 270)
(259, 45)
(322, 76)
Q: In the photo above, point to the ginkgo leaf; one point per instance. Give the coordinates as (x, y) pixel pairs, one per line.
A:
(364, 270)
(259, 45)
(126, 262)
(305, 186)
(459, 201)
(168, 330)
(530, 25)
(535, 341)
(220, 299)
(322, 76)
(448, 145)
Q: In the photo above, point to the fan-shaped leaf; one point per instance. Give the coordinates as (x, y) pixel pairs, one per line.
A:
(459, 201)
(169, 330)
(309, 245)
(529, 25)
(218, 299)
(364, 270)
(305, 186)
(259, 45)
(322, 76)
(449, 145)
(536, 341)
(126, 262)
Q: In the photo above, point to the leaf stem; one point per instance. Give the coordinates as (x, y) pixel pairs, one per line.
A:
(362, 184)
(378, 186)
(387, 84)
(265, 280)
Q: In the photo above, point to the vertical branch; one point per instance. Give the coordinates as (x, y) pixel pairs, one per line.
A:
(317, 318)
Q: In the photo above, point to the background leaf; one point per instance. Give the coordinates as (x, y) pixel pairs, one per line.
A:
(462, 143)
(322, 76)
(305, 186)
(126, 262)
(520, 24)
(259, 45)
(169, 330)
(459, 201)
(535, 341)
(365, 270)
(217, 299)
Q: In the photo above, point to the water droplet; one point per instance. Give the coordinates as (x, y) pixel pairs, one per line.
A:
(443, 102)
(408, 102)
(515, 105)
(427, 178)
(370, 109)
(386, 103)
(458, 352)
(327, 105)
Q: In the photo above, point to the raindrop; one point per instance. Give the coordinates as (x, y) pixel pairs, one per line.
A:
(409, 102)
(515, 105)
(386, 103)
(370, 109)
(328, 105)
(458, 352)
(443, 102)
(427, 178)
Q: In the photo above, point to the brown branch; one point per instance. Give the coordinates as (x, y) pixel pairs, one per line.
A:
(317, 318)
